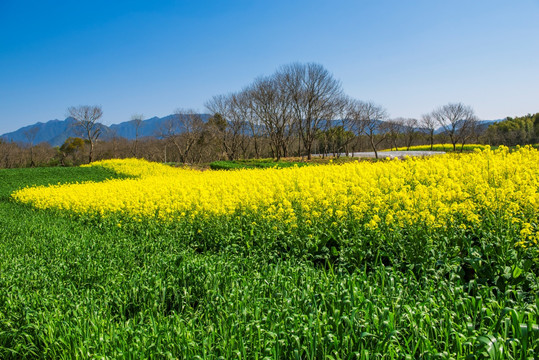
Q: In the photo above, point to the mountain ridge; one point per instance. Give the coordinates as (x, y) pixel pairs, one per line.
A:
(55, 132)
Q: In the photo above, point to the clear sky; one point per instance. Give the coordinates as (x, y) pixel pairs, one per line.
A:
(152, 57)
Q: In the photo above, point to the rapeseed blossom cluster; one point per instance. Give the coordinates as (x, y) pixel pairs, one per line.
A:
(432, 192)
(442, 147)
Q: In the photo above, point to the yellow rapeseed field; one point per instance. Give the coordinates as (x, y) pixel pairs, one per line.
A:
(442, 147)
(431, 192)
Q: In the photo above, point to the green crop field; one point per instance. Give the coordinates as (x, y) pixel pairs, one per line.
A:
(253, 164)
(80, 287)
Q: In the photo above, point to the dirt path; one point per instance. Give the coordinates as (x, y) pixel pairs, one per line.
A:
(390, 154)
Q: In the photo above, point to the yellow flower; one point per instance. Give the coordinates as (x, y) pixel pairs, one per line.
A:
(457, 189)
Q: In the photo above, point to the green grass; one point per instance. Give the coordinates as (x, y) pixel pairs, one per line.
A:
(14, 179)
(253, 164)
(82, 288)
(283, 163)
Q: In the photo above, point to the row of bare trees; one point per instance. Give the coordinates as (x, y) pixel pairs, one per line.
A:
(208, 142)
(295, 104)
(303, 102)
(300, 110)
(456, 121)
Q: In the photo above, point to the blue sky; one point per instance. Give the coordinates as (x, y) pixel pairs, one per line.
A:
(152, 57)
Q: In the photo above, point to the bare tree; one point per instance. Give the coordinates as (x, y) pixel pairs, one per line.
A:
(87, 120)
(44, 153)
(428, 123)
(169, 131)
(138, 122)
(30, 135)
(246, 110)
(457, 121)
(247, 122)
(238, 124)
(193, 129)
(354, 117)
(372, 118)
(346, 123)
(408, 129)
(227, 123)
(315, 97)
(10, 154)
(112, 151)
(394, 130)
(183, 131)
(271, 104)
(471, 131)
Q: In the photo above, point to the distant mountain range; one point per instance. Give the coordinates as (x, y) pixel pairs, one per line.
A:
(55, 132)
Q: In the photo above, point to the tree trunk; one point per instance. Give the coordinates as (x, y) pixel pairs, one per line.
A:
(257, 151)
(374, 147)
(91, 156)
(32, 164)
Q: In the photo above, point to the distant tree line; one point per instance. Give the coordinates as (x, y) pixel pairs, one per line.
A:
(301, 109)
(298, 111)
(515, 131)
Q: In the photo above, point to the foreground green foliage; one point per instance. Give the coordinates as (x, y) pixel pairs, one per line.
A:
(82, 288)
